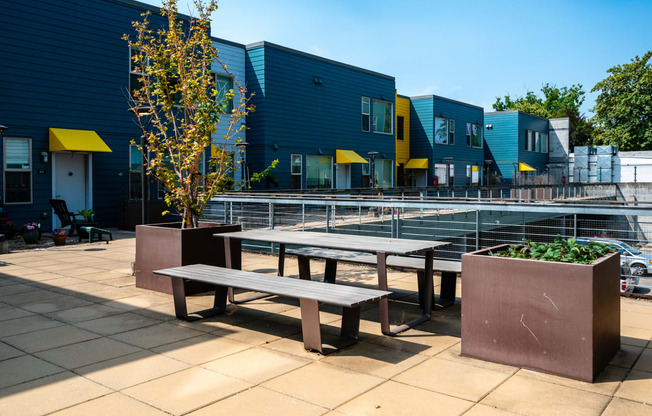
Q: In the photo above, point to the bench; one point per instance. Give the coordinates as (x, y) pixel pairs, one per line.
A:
(309, 293)
(449, 269)
(94, 231)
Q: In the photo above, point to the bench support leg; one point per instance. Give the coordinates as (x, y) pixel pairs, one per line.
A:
(426, 296)
(181, 310)
(281, 259)
(310, 325)
(233, 261)
(447, 290)
(350, 323)
(331, 271)
(304, 267)
(383, 306)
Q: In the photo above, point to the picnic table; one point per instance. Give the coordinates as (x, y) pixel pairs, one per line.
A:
(381, 247)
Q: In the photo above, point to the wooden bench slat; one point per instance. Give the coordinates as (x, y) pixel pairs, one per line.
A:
(363, 258)
(339, 295)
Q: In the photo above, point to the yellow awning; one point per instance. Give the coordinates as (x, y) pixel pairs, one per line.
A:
(76, 141)
(474, 168)
(348, 156)
(524, 167)
(417, 164)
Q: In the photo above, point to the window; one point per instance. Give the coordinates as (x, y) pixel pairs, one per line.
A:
(528, 140)
(365, 174)
(383, 117)
(18, 171)
(295, 171)
(451, 174)
(451, 131)
(224, 86)
(136, 73)
(476, 135)
(468, 134)
(366, 111)
(468, 174)
(544, 142)
(400, 128)
(441, 130)
(441, 173)
(475, 174)
(383, 173)
(319, 171)
(135, 168)
(537, 141)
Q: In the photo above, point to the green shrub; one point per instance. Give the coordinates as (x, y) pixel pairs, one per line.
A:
(567, 251)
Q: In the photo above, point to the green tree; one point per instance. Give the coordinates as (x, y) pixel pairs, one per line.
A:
(184, 107)
(623, 109)
(556, 102)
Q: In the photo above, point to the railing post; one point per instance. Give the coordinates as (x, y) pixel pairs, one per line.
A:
(328, 218)
(303, 216)
(575, 225)
(392, 224)
(271, 215)
(477, 229)
(231, 212)
(360, 215)
(225, 218)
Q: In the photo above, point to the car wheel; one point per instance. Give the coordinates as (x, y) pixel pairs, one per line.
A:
(638, 269)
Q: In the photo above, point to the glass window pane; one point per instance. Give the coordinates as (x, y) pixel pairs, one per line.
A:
(475, 135)
(441, 130)
(468, 134)
(18, 187)
(223, 85)
(318, 171)
(440, 173)
(365, 168)
(382, 117)
(451, 131)
(383, 173)
(17, 154)
(400, 128)
(365, 105)
(296, 163)
(544, 142)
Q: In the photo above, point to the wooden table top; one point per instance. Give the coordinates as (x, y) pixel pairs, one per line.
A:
(367, 244)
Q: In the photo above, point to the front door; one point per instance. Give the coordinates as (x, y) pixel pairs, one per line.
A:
(71, 181)
(343, 176)
(420, 177)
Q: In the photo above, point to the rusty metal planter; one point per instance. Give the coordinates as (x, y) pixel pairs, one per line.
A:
(557, 318)
(159, 246)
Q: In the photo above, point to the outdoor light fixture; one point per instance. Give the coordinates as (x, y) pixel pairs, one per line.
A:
(3, 128)
(317, 80)
(44, 157)
(489, 126)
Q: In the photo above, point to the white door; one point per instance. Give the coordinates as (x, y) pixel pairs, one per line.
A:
(420, 177)
(71, 181)
(343, 176)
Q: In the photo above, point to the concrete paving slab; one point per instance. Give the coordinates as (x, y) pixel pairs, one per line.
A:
(111, 405)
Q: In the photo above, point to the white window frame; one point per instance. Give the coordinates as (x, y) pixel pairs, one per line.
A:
(391, 117)
(537, 142)
(434, 139)
(528, 140)
(300, 174)
(441, 168)
(5, 170)
(366, 100)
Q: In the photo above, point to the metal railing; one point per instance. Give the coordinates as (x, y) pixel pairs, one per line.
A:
(468, 224)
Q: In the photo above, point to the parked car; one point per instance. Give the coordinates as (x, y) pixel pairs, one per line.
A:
(634, 263)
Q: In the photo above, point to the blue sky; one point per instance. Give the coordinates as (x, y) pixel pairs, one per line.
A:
(470, 51)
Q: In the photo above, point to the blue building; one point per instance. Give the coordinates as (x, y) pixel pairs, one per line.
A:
(323, 120)
(446, 142)
(518, 143)
(66, 76)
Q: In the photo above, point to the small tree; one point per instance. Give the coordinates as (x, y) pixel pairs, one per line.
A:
(183, 108)
(623, 109)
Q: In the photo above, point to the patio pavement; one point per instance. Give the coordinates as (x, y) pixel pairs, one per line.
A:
(78, 338)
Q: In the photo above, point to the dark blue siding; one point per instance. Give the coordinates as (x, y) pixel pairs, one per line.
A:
(423, 111)
(65, 65)
(506, 141)
(296, 115)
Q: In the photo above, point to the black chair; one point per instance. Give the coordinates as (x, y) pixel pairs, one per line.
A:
(66, 217)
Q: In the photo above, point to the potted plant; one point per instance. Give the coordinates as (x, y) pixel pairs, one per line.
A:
(59, 236)
(31, 232)
(178, 107)
(87, 221)
(552, 307)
